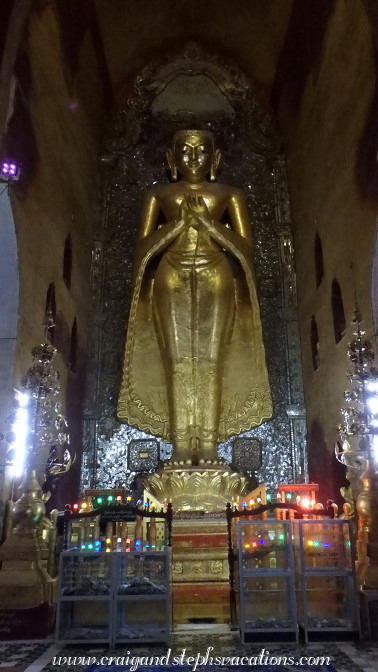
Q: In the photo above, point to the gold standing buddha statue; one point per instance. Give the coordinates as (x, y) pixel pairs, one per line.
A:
(194, 370)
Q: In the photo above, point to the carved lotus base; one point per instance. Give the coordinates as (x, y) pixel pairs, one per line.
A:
(196, 488)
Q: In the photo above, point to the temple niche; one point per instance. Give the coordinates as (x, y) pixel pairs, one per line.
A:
(192, 89)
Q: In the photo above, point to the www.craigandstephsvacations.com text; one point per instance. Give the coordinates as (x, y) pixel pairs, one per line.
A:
(191, 661)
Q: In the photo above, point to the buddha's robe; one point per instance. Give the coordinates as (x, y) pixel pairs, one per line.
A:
(194, 367)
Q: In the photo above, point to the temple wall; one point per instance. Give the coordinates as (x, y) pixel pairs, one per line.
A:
(324, 115)
(55, 131)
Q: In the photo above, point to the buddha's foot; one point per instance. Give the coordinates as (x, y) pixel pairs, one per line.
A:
(179, 463)
(214, 463)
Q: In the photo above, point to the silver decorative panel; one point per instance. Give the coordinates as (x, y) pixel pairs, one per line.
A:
(143, 454)
(246, 454)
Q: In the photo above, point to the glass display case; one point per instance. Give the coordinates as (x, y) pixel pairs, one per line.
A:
(111, 597)
(325, 579)
(142, 610)
(84, 610)
(266, 581)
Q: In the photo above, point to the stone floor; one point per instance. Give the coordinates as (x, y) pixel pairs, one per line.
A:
(33, 656)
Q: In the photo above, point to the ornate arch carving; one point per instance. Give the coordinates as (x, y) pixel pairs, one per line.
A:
(193, 60)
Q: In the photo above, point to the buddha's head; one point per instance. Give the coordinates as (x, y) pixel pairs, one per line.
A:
(193, 155)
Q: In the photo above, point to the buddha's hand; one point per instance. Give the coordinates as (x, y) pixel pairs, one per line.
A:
(186, 217)
(198, 211)
(183, 220)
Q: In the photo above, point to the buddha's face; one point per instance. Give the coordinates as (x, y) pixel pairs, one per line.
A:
(193, 155)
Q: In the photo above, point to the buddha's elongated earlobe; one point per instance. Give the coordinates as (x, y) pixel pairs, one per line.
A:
(172, 165)
(214, 165)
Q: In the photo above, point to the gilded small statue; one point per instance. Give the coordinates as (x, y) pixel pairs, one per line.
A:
(194, 370)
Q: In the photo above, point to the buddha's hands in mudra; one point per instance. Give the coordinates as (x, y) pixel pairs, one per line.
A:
(195, 213)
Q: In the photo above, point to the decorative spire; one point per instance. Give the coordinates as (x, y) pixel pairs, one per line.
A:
(44, 432)
(360, 415)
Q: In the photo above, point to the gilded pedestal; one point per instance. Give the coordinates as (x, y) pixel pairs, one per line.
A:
(205, 488)
(200, 573)
(200, 576)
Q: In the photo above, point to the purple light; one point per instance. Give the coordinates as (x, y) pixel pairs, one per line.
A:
(9, 170)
